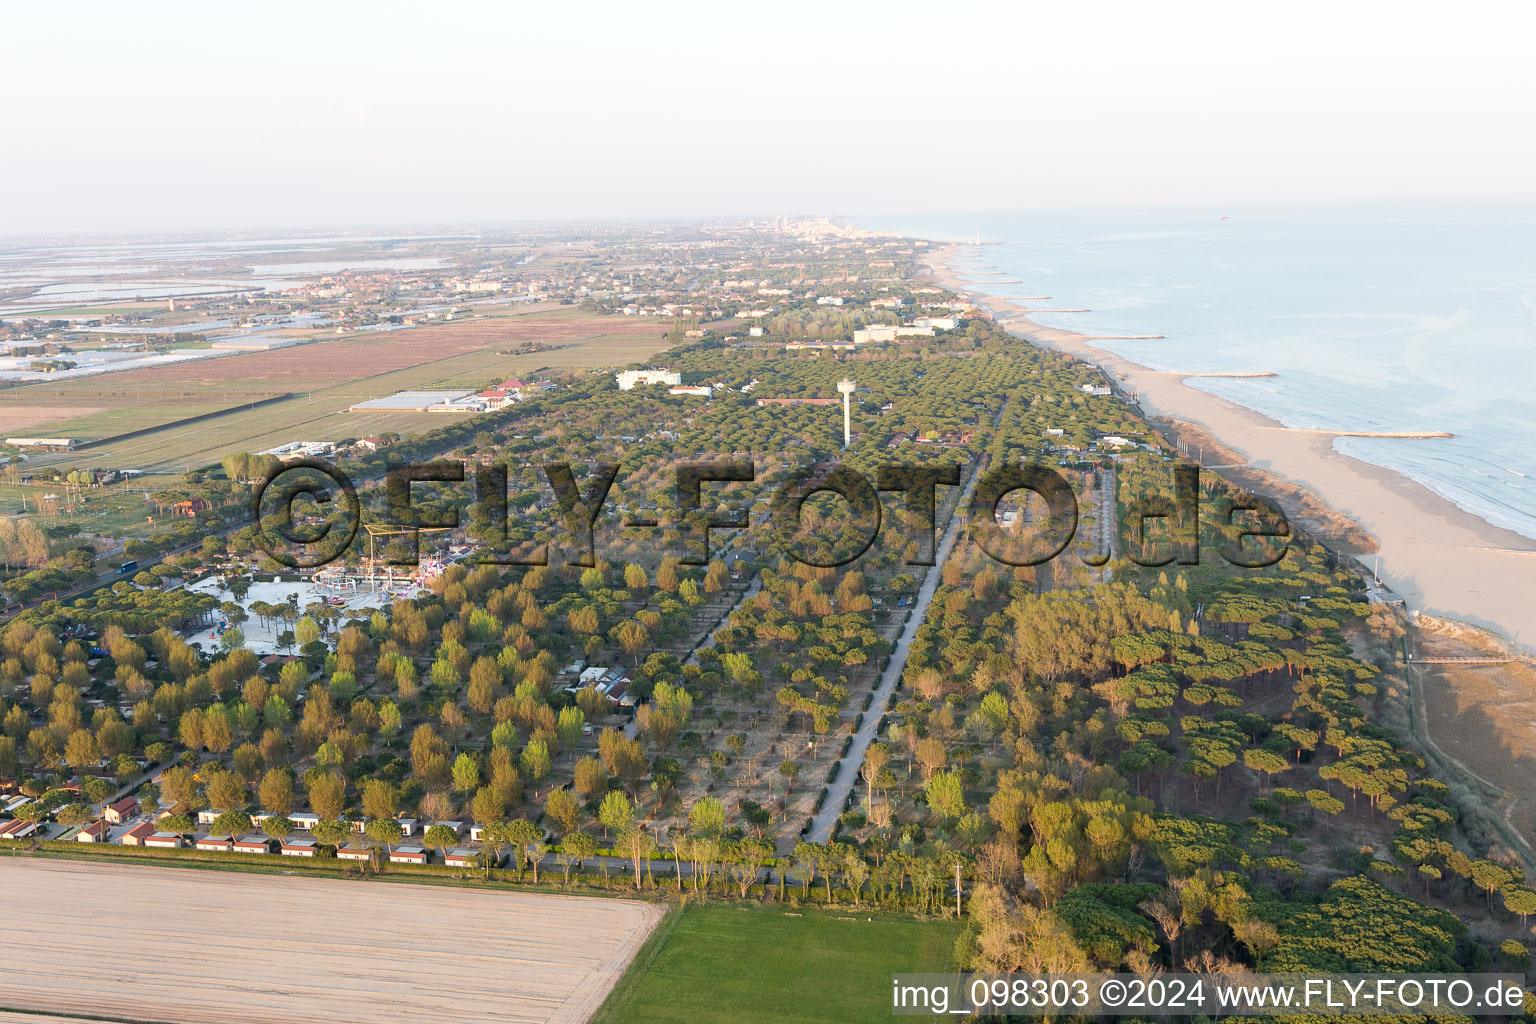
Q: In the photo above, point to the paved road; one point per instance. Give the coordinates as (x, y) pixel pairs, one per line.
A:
(106, 579)
(1109, 515)
(846, 775)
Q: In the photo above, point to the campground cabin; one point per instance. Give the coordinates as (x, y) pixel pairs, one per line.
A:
(165, 840)
(299, 847)
(136, 835)
(215, 844)
(253, 844)
(408, 855)
(121, 811)
(306, 821)
(463, 857)
(17, 829)
(95, 832)
(354, 852)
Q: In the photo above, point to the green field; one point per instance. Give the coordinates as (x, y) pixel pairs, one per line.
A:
(120, 417)
(731, 964)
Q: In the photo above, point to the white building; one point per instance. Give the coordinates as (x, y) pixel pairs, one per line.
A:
(303, 449)
(627, 379)
(883, 332)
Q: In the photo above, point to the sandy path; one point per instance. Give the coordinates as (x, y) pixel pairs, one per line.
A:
(161, 944)
(1440, 558)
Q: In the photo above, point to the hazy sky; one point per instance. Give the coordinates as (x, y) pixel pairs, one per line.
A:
(165, 116)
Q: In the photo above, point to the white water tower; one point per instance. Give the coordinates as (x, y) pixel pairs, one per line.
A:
(847, 388)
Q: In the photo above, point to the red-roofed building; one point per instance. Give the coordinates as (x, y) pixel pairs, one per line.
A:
(799, 401)
(136, 835)
(253, 844)
(408, 855)
(121, 811)
(496, 398)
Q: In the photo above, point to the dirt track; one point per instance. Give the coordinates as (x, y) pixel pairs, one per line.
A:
(160, 944)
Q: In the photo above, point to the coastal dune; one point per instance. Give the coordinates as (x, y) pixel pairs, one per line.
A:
(127, 942)
(1440, 558)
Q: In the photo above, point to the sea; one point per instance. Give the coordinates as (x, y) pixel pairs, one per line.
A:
(1383, 317)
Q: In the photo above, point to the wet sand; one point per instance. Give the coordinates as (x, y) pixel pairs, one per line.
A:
(137, 943)
(1440, 558)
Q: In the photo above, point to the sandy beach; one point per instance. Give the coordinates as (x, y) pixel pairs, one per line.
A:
(128, 942)
(1440, 558)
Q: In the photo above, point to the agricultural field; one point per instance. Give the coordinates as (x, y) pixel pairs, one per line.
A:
(17, 414)
(338, 360)
(730, 964)
(325, 378)
(94, 310)
(234, 946)
(104, 415)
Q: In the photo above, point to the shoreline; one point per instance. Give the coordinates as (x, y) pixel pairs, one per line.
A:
(1441, 559)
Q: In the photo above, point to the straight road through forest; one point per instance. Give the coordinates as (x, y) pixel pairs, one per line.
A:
(847, 771)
